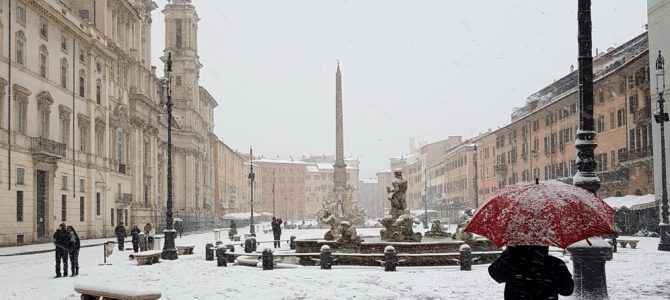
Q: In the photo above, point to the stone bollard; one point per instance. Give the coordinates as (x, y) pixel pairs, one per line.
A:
(326, 258)
(292, 242)
(209, 253)
(267, 259)
(390, 259)
(249, 245)
(221, 256)
(588, 262)
(466, 257)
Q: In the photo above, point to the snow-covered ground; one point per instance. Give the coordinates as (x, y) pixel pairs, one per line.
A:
(633, 274)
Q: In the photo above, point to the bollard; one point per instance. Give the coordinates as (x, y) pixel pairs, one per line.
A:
(326, 258)
(209, 253)
(253, 244)
(267, 259)
(292, 242)
(221, 256)
(466, 257)
(588, 264)
(248, 245)
(230, 248)
(389, 259)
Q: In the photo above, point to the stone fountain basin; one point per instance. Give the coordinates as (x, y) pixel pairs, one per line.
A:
(429, 252)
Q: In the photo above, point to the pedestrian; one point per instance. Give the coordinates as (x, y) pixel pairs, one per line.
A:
(276, 231)
(75, 244)
(62, 242)
(179, 227)
(120, 232)
(233, 230)
(149, 233)
(529, 272)
(135, 234)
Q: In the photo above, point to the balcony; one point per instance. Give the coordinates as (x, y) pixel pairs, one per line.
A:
(124, 199)
(642, 115)
(47, 148)
(633, 154)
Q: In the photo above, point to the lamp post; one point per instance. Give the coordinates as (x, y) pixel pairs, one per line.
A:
(252, 176)
(661, 117)
(273, 194)
(425, 199)
(169, 249)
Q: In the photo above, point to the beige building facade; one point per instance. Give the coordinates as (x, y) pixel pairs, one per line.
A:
(231, 182)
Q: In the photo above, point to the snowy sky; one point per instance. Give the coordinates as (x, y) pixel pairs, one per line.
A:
(425, 69)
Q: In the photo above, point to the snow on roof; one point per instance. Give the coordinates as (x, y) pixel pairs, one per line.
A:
(631, 201)
(312, 169)
(329, 166)
(279, 161)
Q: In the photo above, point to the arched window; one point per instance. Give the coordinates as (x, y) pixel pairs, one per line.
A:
(82, 82)
(63, 73)
(120, 145)
(98, 91)
(44, 61)
(20, 47)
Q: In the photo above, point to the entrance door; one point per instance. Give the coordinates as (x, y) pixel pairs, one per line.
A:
(119, 217)
(41, 199)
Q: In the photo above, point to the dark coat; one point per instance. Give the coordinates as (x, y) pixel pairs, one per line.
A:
(75, 242)
(62, 240)
(135, 233)
(529, 272)
(120, 231)
(276, 226)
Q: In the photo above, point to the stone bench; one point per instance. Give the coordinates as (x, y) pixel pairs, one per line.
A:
(96, 292)
(624, 242)
(147, 257)
(185, 250)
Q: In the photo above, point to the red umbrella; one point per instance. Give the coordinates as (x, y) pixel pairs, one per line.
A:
(548, 213)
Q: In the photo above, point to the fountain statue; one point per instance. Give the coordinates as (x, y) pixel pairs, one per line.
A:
(463, 220)
(399, 222)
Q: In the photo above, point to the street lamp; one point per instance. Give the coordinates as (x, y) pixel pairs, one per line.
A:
(425, 199)
(273, 194)
(661, 117)
(252, 176)
(169, 249)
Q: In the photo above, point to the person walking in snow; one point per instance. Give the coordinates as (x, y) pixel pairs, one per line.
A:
(179, 227)
(276, 231)
(75, 245)
(529, 272)
(233, 230)
(135, 234)
(62, 243)
(149, 233)
(120, 232)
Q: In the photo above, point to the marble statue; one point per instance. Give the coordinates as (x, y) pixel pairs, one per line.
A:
(463, 220)
(333, 233)
(347, 233)
(404, 228)
(436, 230)
(397, 194)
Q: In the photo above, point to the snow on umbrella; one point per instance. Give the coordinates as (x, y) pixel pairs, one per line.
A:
(548, 213)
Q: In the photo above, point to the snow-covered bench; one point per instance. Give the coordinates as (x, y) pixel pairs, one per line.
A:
(148, 257)
(185, 250)
(95, 292)
(624, 242)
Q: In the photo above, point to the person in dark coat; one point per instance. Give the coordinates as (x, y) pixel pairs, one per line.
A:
(62, 242)
(233, 229)
(529, 272)
(75, 244)
(135, 234)
(276, 231)
(120, 232)
(179, 227)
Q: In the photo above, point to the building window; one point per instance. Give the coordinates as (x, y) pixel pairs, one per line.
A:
(64, 130)
(82, 80)
(63, 208)
(21, 13)
(19, 206)
(63, 183)
(20, 48)
(63, 73)
(43, 122)
(98, 92)
(83, 139)
(20, 174)
(112, 216)
(621, 117)
(83, 14)
(63, 43)
(99, 140)
(81, 209)
(97, 204)
(82, 185)
(120, 145)
(44, 28)
(44, 62)
(600, 127)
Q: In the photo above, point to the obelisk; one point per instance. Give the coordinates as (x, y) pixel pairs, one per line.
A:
(340, 173)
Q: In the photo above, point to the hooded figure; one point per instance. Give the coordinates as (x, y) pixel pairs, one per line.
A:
(120, 232)
(135, 234)
(529, 272)
(276, 231)
(62, 242)
(75, 244)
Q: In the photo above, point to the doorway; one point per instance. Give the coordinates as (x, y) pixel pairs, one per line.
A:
(41, 200)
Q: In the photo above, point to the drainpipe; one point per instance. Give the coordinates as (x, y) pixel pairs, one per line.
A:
(74, 118)
(9, 100)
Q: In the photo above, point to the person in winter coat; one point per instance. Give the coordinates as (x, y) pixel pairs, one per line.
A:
(276, 231)
(529, 272)
(120, 232)
(149, 233)
(179, 227)
(62, 242)
(233, 229)
(75, 244)
(135, 234)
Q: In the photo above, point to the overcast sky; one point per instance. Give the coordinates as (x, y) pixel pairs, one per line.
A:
(424, 69)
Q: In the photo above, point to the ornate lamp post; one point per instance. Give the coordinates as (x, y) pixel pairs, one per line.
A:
(425, 199)
(661, 117)
(274, 214)
(252, 176)
(169, 249)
